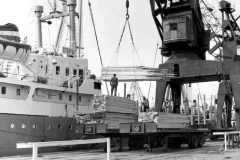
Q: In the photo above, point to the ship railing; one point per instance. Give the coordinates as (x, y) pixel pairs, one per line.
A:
(228, 136)
(36, 145)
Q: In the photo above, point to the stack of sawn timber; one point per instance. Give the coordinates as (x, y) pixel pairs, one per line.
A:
(112, 111)
(135, 73)
(165, 120)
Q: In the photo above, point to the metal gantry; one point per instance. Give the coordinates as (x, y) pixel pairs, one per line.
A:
(212, 22)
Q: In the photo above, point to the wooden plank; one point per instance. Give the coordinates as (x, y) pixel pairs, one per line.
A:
(165, 125)
(103, 103)
(165, 120)
(135, 73)
(174, 121)
(163, 114)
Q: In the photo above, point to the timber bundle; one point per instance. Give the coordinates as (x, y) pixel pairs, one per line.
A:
(135, 73)
(111, 110)
(165, 120)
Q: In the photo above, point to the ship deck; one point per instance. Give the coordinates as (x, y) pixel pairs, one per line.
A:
(211, 150)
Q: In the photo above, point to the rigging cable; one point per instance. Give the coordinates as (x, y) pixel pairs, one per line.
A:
(133, 42)
(117, 49)
(133, 45)
(50, 5)
(90, 9)
(119, 43)
(153, 66)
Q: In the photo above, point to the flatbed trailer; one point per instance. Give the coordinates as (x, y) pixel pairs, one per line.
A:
(148, 133)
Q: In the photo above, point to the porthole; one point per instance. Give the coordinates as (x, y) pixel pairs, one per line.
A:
(59, 126)
(48, 126)
(13, 126)
(70, 127)
(24, 126)
(34, 126)
(34, 60)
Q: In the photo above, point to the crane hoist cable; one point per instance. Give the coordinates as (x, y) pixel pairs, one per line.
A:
(119, 43)
(133, 42)
(90, 9)
(124, 27)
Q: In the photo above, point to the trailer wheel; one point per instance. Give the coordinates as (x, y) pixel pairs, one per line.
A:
(194, 139)
(200, 140)
(178, 142)
(136, 142)
(160, 141)
(190, 142)
(131, 143)
(154, 142)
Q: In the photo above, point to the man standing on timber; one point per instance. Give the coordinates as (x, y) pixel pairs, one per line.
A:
(145, 105)
(193, 107)
(114, 84)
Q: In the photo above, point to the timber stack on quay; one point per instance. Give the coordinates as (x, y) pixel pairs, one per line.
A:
(165, 120)
(110, 110)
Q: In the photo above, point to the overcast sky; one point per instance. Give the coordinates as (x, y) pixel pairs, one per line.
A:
(109, 16)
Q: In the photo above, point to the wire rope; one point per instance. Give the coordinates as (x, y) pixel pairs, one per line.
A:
(153, 66)
(94, 27)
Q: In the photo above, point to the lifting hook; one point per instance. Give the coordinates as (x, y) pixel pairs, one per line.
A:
(127, 6)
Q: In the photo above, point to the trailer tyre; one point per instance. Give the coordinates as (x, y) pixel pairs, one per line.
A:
(154, 142)
(200, 140)
(190, 142)
(194, 140)
(178, 143)
(160, 141)
(131, 144)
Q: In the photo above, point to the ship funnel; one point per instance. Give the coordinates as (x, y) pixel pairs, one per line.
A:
(72, 6)
(38, 12)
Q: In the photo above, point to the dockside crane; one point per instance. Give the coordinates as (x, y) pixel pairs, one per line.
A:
(186, 28)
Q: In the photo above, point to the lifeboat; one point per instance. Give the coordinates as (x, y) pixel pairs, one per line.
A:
(10, 46)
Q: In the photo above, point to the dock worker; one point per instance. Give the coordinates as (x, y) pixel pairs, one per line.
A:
(193, 107)
(145, 105)
(114, 84)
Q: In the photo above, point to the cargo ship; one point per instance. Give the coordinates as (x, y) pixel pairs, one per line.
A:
(41, 91)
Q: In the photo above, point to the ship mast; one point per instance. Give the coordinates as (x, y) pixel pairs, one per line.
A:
(64, 6)
(72, 13)
(80, 29)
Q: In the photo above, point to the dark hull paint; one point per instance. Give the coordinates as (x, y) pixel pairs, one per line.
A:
(38, 129)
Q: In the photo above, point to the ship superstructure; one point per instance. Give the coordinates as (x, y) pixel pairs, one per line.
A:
(41, 91)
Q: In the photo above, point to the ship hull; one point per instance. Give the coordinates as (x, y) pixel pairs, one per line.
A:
(24, 128)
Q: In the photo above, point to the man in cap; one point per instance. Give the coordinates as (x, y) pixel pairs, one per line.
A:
(114, 84)
(145, 105)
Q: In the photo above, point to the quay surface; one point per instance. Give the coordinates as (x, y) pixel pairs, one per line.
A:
(210, 151)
